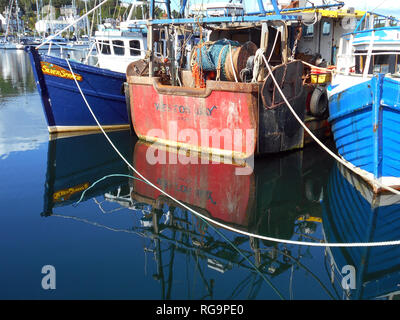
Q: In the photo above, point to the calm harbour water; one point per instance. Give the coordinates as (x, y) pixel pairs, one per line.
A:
(126, 241)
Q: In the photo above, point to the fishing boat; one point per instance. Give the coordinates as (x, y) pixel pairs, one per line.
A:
(279, 199)
(102, 85)
(354, 213)
(364, 100)
(75, 161)
(168, 232)
(268, 201)
(218, 96)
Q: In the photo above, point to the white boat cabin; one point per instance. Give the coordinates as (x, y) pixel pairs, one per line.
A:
(322, 30)
(371, 51)
(117, 48)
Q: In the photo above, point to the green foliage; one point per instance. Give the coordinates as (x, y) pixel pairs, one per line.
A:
(111, 9)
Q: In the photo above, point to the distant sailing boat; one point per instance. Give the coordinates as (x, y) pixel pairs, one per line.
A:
(10, 42)
(103, 86)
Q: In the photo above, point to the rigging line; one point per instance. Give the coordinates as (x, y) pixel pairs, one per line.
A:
(329, 277)
(204, 218)
(337, 158)
(246, 258)
(206, 284)
(301, 265)
(217, 231)
(239, 287)
(70, 25)
(302, 243)
(105, 177)
(378, 6)
(100, 205)
(291, 282)
(96, 224)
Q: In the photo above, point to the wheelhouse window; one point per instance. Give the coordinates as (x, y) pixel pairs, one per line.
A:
(118, 46)
(104, 46)
(360, 63)
(134, 46)
(308, 31)
(381, 64)
(326, 28)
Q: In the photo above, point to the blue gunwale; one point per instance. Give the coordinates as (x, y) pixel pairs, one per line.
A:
(370, 30)
(63, 105)
(364, 118)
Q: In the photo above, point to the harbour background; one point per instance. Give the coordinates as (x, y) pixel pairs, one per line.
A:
(97, 256)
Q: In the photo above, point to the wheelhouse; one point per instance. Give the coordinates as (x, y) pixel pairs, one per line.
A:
(116, 48)
(371, 51)
(125, 45)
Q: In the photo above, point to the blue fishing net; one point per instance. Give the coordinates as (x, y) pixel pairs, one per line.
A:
(208, 56)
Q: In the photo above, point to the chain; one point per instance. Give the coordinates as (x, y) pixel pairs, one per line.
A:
(298, 37)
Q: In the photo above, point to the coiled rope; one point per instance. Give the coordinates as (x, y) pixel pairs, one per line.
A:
(294, 242)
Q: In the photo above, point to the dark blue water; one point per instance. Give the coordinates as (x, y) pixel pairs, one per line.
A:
(125, 240)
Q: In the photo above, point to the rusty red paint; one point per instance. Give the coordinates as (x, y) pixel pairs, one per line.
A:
(221, 106)
(197, 185)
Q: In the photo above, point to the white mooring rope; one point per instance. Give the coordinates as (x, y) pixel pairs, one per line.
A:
(338, 159)
(300, 243)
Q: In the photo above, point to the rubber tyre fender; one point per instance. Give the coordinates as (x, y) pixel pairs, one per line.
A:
(319, 102)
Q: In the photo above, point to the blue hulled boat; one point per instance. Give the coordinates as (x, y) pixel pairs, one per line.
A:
(63, 105)
(353, 212)
(364, 101)
(102, 85)
(76, 162)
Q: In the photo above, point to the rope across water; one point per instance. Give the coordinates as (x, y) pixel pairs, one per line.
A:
(216, 223)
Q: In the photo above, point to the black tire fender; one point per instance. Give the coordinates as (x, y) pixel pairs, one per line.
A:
(319, 102)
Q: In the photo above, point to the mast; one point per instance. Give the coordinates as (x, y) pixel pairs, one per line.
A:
(37, 11)
(16, 16)
(8, 19)
(87, 21)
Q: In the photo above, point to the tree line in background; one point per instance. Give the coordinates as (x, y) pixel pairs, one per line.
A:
(111, 9)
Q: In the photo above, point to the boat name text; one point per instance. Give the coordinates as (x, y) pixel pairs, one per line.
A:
(57, 71)
(198, 111)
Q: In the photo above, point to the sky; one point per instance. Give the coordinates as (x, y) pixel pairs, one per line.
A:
(386, 7)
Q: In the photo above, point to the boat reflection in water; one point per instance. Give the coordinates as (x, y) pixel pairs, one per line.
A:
(74, 163)
(16, 76)
(353, 213)
(279, 199)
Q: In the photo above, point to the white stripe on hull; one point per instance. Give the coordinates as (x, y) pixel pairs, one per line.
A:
(56, 129)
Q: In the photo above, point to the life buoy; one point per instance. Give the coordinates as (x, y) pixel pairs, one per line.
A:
(319, 102)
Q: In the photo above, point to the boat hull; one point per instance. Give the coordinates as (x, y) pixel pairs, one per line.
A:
(267, 201)
(77, 162)
(220, 119)
(365, 118)
(63, 104)
(198, 185)
(232, 119)
(352, 212)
